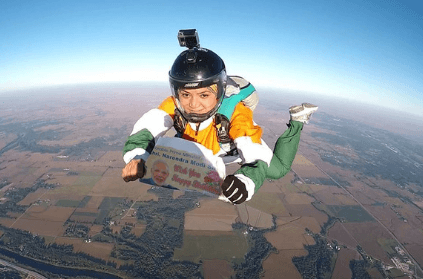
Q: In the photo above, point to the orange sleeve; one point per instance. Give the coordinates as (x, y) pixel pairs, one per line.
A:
(168, 106)
(242, 124)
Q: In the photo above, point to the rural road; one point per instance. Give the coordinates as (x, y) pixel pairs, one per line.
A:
(30, 273)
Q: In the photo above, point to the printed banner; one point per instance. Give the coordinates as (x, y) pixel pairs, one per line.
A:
(182, 164)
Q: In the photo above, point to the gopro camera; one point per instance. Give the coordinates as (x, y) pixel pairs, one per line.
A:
(188, 38)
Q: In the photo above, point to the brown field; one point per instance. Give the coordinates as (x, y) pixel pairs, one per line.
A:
(211, 215)
(80, 187)
(300, 221)
(51, 213)
(209, 233)
(289, 237)
(367, 234)
(307, 210)
(33, 197)
(303, 188)
(318, 187)
(280, 264)
(416, 252)
(6, 138)
(43, 220)
(271, 187)
(209, 222)
(217, 269)
(290, 188)
(96, 249)
(94, 202)
(63, 180)
(55, 197)
(383, 213)
(345, 199)
(269, 203)
(116, 229)
(95, 229)
(7, 222)
(113, 159)
(298, 198)
(41, 227)
(138, 230)
(300, 160)
(334, 196)
(361, 196)
(4, 189)
(177, 194)
(342, 266)
(338, 232)
(14, 215)
(111, 184)
(254, 217)
(308, 171)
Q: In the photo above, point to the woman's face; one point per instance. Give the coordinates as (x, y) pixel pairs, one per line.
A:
(197, 100)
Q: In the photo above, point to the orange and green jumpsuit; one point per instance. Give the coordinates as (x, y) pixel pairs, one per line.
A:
(257, 159)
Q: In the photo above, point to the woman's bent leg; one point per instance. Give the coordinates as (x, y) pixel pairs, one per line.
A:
(285, 150)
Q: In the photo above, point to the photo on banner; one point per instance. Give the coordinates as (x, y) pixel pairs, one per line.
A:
(190, 166)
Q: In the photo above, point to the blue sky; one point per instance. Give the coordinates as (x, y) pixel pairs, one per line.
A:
(369, 51)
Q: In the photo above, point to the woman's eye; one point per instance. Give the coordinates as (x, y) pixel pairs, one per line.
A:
(204, 95)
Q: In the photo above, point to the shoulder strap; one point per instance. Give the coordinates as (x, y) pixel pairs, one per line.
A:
(222, 128)
(179, 123)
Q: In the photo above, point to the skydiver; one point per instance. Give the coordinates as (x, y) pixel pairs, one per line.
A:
(199, 86)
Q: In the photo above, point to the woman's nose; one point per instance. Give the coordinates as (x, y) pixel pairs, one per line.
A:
(193, 102)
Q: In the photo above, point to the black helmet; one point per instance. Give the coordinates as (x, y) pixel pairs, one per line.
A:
(195, 68)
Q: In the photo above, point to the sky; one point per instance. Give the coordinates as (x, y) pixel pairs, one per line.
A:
(369, 51)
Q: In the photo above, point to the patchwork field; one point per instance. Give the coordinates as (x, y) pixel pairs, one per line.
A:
(277, 264)
(79, 156)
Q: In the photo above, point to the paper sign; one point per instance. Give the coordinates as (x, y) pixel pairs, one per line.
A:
(182, 164)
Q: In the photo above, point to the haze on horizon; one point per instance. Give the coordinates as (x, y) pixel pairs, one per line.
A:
(367, 51)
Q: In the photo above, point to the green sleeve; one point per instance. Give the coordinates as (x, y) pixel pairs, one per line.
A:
(143, 139)
(255, 171)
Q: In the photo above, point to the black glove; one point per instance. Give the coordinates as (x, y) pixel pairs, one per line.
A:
(232, 185)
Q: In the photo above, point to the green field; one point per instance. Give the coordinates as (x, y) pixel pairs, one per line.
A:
(106, 206)
(351, 213)
(387, 245)
(82, 186)
(84, 201)
(89, 214)
(224, 247)
(67, 203)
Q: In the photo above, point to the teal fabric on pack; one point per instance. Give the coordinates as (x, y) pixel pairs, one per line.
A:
(228, 104)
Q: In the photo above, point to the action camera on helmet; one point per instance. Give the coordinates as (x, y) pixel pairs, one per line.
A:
(188, 38)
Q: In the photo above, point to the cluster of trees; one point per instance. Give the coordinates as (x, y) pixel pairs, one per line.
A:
(77, 230)
(4, 183)
(319, 262)
(359, 269)
(252, 267)
(15, 195)
(8, 273)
